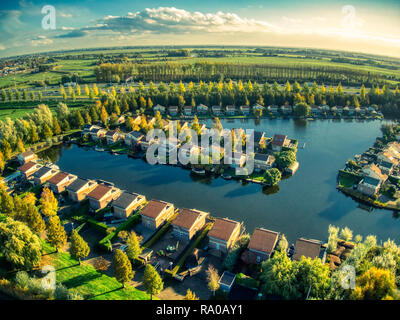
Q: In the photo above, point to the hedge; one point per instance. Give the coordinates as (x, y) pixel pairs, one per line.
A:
(190, 250)
(163, 230)
(104, 243)
(98, 225)
(247, 281)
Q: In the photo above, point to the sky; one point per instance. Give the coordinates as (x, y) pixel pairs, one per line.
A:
(354, 25)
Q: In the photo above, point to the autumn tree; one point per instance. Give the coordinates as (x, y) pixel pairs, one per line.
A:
(152, 281)
(133, 249)
(122, 267)
(48, 203)
(33, 218)
(212, 278)
(190, 295)
(56, 234)
(79, 248)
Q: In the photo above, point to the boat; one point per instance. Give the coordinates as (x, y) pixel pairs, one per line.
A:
(100, 149)
(199, 171)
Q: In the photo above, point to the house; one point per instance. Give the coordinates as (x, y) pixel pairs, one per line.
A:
(112, 136)
(26, 156)
(223, 234)
(121, 119)
(29, 168)
(187, 110)
(187, 152)
(260, 141)
(168, 146)
(279, 141)
(216, 110)
(127, 203)
(156, 212)
(369, 186)
(386, 167)
(87, 128)
(309, 249)
(245, 110)
(273, 109)
(316, 111)
(286, 109)
(97, 133)
(61, 180)
(44, 174)
(261, 246)
(202, 109)
(263, 161)
(80, 188)
(257, 107)
(188, 223)
(133, 138)
(146, 142)
(173, 110)
(226, 281)
(102, 195)
(230, 110)
(388, 156)
(235, 159)
(159, 108)
(373, 171)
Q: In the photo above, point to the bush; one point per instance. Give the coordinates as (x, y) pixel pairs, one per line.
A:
(247, 281)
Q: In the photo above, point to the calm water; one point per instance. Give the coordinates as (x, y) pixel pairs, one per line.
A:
(304, 205)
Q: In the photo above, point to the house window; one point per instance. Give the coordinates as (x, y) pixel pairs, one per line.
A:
(258, 259)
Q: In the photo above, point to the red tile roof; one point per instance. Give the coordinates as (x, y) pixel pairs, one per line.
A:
(99, 192)
(279, 140)
(186, 218)
(153, 209)
(27, 166)
(263, 240)
(223, 229)
(60, 176)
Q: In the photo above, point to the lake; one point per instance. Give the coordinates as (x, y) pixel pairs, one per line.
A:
(305, 204)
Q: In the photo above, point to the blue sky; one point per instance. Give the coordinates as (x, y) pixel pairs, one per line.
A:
(365, 26)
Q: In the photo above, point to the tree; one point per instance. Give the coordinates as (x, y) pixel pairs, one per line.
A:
(333, 238)
(122, 267)
(374, 284)
(133, 249)
(79, 248)
(285, 159)
(282, 244)
(33, 218)
(212, 278)
(2, 162)
(56, 234)
(272, 176)
(48, 203)
(20, 145)
(19, 245)
(56, 126)
(152, 281)
(302, 109)
(6, 149)
(103, 115)
(346, 234)
(46, 131)
(190, 295)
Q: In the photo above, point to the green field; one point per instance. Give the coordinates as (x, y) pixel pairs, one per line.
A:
(85, 279)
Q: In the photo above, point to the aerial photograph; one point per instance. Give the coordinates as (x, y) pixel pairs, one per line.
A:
(230, 152)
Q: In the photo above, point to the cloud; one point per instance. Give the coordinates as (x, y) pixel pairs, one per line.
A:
(65, 15)
(2, 47)
(67, 28)
(73, 34)
(40, 41)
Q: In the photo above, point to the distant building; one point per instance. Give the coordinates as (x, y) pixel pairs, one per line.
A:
(261, 246)
(223, 234)
(26, 156)
(44, 174)
(80, 188)
(188, 223)
(29, 168)
(102, 195)
(309, 249)
(279, 141)
(60, 181)
(126, 204)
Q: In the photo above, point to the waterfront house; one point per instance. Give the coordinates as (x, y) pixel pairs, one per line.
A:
(386, 167)
(316, 111)
(80, 188)
(112, 136)
(260, 141)
(168, 146)
(60, 181)
(309, 249)
(133, 138)
(146, 142)
(286, 109)
(26, 156)
(87, 128)
(372, 180)
(29, 168)
(373, 171)
(325, 108)
(102, 195)
(257, 107)
(263, 161)
(279, 141)
(151, 121)
(388, 156)
(245, 110)
(159, 108)
(187, 110)
(44, 174)
(156, 212)
(97, 133)
(202, 109)
(216, 110)
(273, 109)
(188, 223)
(127, 203)
(262, 244)
(236, 159)
(173, 110)
(230, 110)
(339, 109)
(223, 234)
(188, 151)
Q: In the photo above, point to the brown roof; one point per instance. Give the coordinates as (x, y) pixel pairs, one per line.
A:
(58, 178)
(186, 218)
(263, 240)
(153, 208)
(27, 166)
(27, 153)
(99, 192)
(374, 168)
(279, 140)
(223, 229)
(308, 248)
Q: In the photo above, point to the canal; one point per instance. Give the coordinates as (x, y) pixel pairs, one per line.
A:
(302, 206)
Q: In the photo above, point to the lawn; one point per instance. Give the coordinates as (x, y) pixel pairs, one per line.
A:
(85, 279)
